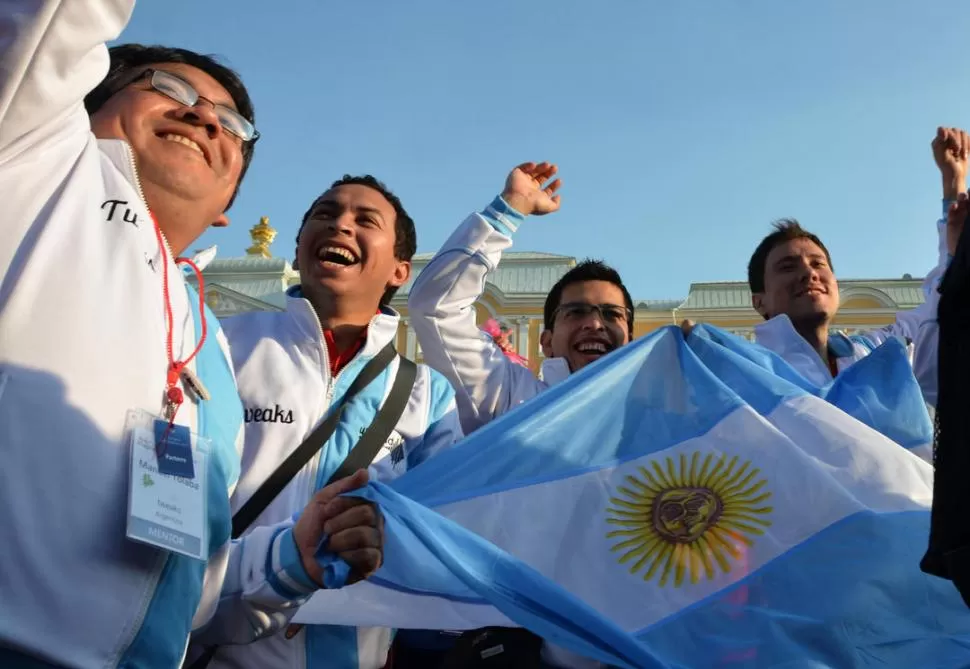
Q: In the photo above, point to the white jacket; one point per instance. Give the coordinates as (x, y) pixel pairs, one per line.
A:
(487, 383)
(284, 378)
(82, 341)
(917, 328)
(441, 309)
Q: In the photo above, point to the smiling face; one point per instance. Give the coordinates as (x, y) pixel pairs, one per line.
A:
(181, 152)
(582, 335)
(798, 282)
(346, 249)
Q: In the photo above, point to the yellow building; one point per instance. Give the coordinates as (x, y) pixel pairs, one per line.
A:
(516, 291)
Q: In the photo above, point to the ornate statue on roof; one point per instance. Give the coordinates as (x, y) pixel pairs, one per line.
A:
(262, 235)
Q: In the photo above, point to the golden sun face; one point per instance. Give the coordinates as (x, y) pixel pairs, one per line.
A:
(678, 521)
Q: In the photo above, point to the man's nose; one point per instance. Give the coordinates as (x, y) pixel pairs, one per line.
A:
(202, 114)
(807, 273)
(594, 321)
(341, 224)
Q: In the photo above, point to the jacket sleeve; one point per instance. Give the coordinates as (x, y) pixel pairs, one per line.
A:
(918, 326)
(440, 305)
(52, 54)
(264, 586)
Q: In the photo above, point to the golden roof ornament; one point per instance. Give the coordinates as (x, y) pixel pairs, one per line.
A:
(262, 235)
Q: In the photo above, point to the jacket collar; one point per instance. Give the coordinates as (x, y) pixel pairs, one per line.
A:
(120, 154)
(554, 370)
(382, 328)
(778, 334)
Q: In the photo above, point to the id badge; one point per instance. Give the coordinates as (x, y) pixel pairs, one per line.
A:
(166, 491)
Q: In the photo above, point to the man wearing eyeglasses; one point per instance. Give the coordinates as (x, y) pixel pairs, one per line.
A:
(587, 314)
(120, 423)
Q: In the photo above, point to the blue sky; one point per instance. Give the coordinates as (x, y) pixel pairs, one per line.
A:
(681, 129)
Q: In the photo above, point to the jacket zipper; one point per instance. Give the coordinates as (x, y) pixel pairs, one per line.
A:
(331, 382)
(141, 194)
(331, 388)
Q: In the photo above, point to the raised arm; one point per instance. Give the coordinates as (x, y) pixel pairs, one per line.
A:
(441, 301)
(52, 54)
(951, 152)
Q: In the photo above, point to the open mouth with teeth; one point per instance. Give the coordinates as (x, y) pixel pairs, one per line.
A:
(336, 256)
(593, 347)
(184, 141)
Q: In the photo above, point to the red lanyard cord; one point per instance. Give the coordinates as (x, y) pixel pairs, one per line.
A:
(173, 393)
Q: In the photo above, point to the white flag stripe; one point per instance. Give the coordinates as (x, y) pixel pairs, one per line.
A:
(365, 602)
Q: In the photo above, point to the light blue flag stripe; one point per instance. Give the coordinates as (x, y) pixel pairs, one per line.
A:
(803, 607)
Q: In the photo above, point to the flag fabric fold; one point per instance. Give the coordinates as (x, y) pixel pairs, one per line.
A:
(676, 504)
(880, 390)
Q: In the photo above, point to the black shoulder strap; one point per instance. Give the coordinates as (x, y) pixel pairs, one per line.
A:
(360, 456)
(369, 444)
(278, 480)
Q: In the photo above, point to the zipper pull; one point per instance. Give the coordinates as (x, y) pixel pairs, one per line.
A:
(194, 385)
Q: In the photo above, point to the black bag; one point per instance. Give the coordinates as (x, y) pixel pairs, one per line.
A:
(495, 648)
(360, 456)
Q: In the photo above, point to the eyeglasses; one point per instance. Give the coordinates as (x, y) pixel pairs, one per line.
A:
(182, 92)
(608, 313)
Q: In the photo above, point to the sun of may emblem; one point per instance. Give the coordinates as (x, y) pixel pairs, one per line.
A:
(675, 520)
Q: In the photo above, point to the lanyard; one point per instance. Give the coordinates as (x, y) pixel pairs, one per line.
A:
(173, 394)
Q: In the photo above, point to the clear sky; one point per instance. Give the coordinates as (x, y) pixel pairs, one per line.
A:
(681, 129)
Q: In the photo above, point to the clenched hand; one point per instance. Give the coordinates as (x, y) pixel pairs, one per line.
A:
(354, 529)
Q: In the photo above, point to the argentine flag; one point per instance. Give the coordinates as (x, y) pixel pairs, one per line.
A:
(673, 505)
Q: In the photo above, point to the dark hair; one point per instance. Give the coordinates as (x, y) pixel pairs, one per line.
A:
(126, 58)
(587, 270)
(786, 229)
(405, 236)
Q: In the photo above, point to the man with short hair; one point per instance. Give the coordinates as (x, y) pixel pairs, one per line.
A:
(119, 416)
(793, 287)
(353, 252)
(587, 314)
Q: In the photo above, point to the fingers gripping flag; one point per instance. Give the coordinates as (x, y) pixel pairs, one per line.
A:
(673, 505)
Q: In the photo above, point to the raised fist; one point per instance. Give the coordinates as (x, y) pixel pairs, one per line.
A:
(951, 151)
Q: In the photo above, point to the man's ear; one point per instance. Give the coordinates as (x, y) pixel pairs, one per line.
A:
(402, 272)
(545, 342)
(758, 302)
(221, 222)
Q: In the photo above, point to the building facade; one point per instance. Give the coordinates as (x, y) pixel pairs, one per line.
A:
(516, 291)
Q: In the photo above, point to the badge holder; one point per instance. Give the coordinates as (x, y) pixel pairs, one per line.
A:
(166, 491)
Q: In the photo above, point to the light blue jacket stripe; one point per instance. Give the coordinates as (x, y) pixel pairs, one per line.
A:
(503, 217)
(357, 416)
(165, 629)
